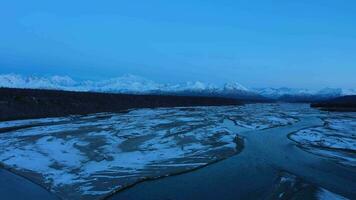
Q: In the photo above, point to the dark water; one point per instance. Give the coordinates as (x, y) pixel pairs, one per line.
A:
(13, 187)
(252, 173)
(248, 175)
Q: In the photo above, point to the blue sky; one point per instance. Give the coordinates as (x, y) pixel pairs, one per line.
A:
(258, 43)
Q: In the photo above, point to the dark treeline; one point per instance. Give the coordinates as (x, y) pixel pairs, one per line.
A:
(342, 104)
(34, 103)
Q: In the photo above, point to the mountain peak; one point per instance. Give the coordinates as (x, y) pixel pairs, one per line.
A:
(234, 86)
(135, 84)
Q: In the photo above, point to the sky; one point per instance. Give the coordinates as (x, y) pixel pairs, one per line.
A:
(258, 43)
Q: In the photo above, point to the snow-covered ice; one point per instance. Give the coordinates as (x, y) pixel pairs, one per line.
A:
(324, 194)
(92, 156)
(290, 186)
(335, 139)
(98, 154)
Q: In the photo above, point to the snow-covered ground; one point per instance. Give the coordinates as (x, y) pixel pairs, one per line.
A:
(30, 122)
(262, 116)
(94, 155)
(335, 139)
(324, 194)
(289, 186)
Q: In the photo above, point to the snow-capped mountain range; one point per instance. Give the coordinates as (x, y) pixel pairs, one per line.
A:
(138, 85)
(123, 84)
(283, 91)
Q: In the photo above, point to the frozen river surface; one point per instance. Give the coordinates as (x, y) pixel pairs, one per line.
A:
(265, 151)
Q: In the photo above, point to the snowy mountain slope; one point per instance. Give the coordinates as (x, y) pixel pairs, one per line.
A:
(277, 93)
(124, 84)
(54, 82)
(138, 85)
(127, 83)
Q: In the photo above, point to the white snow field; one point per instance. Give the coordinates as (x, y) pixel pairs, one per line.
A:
(335, 139)
(290, 186)
(324, 194)
(95, 155)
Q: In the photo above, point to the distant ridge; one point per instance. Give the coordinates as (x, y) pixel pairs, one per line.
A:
(342, 104)
(131, 84)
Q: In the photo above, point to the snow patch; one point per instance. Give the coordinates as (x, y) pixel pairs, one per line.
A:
(327, 195)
